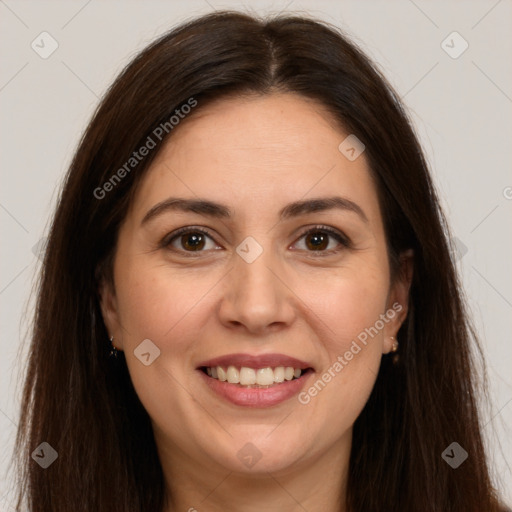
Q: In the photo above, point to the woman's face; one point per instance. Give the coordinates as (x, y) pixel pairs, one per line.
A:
(246, 289)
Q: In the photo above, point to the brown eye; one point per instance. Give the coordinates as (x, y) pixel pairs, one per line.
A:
(317, 241)
(192, 241)
(323, 240)
(189, 240)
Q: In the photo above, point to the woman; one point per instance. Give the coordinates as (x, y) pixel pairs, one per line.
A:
(247, 299)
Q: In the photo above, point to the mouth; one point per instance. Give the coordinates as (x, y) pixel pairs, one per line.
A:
(255, 381)
(246, 377)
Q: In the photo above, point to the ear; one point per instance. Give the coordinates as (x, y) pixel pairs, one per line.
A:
(109, 311)
(398, 299)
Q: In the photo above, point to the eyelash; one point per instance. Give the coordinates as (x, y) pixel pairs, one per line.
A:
(338, 236)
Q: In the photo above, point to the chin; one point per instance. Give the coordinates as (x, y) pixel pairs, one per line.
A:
(259, 450)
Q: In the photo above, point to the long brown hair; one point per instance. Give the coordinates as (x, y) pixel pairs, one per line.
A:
(84, 405)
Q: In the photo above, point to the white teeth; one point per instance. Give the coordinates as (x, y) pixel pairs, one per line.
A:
(246, 376)
(265, 376)
(233, 375)
(221, 374)
(279, 374)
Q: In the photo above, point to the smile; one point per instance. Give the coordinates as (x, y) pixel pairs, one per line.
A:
(260, 377)
(255, 381)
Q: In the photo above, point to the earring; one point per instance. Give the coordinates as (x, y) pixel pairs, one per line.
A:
(113, 349)
(394, 350)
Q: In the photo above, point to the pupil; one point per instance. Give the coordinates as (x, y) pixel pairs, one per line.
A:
(319, 241)
(193, 241)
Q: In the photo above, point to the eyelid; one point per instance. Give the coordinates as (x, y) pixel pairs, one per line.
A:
(334, 233)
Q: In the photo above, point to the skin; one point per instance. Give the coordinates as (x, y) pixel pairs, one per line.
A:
(255, 155)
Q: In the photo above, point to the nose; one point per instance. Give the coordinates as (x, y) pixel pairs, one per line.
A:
(256, 296)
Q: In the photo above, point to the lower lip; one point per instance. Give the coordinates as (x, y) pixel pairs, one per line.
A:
(256, 397)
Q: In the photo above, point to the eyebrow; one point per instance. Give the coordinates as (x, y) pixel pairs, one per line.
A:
(220, 211)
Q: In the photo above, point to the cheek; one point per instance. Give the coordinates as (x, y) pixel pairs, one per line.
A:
(170, 310)
(351, 331)
(155, 302)
(346, 303)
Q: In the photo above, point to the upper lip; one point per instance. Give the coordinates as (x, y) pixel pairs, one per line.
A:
(253, 361)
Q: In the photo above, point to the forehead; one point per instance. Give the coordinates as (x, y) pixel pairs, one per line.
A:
(278, 128)
(256, 150)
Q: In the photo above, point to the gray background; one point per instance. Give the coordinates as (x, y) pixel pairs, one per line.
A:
(461, 108)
